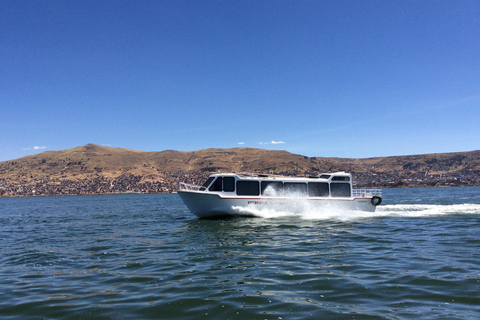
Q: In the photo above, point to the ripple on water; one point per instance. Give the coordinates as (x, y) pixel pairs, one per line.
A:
(146, 256)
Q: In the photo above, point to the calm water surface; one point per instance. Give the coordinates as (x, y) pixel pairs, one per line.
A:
(148, 257)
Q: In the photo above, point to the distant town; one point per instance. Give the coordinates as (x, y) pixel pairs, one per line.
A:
(129, 183)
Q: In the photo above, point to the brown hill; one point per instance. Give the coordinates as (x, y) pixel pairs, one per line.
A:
(91, 160)
(166, 168)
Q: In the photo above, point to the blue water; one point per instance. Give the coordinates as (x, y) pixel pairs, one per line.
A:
(148, 257)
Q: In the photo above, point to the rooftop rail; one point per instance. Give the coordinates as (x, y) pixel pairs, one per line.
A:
(358, 193)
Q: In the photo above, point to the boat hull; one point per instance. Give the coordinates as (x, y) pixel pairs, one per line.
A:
(212, 205)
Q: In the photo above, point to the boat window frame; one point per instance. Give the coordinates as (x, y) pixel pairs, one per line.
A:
(336, 190)
(241, 187)
(229, 184)
(340, 178)
(287, 186)
(217, 185)
(264, 184)
(317, 195)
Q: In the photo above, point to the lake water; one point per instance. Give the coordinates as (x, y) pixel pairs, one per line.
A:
(148, 257)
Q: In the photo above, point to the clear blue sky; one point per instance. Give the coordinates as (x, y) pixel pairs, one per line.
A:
(318, 78)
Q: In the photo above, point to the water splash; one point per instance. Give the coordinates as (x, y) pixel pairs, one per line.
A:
(304, 210)
(423, 210)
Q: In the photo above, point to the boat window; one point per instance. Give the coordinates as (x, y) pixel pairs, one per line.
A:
(318, 189)
(295, 188)
(207, 183)
(340, 190)
(324, 176)
(217, 185)
(272, 188)
(228, 184)
(248, 188)
(341, 178)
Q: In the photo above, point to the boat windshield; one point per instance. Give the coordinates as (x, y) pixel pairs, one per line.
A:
(206, 184)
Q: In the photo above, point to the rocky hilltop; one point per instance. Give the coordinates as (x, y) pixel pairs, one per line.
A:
(94, 169)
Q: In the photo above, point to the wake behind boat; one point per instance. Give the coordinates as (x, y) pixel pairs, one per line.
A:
(231, 194)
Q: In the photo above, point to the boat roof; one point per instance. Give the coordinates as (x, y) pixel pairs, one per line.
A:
(263, 176)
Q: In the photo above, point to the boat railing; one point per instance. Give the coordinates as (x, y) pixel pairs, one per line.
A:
(359, 193)
(189, 187)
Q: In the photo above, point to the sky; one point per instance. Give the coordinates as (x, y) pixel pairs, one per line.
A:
(350, 79)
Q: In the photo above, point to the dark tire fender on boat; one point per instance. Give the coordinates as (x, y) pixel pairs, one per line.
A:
(376, 200)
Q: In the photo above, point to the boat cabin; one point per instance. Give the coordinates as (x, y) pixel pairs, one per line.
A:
(336, 185)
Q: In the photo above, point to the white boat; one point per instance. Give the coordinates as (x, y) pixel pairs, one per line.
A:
(230, 194)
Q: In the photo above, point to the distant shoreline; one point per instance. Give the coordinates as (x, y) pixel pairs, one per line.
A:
(22, 193)
(97, 170)
(174, 192)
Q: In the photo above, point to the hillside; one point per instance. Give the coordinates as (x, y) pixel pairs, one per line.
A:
(98, 169)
